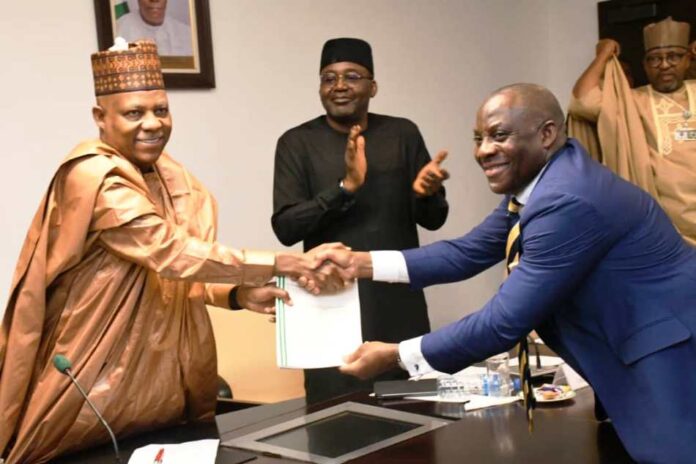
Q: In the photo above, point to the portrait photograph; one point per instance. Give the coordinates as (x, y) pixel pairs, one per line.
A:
(180, 28)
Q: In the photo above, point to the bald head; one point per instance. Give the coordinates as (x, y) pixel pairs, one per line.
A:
(536, 102)
(518, 128)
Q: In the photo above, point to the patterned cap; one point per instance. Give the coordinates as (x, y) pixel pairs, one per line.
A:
(128, 70)
(666, 33)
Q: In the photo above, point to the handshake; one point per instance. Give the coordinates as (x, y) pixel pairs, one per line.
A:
(325, 269)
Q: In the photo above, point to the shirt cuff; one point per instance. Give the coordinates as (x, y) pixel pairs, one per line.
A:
(336, 198)
(389, 266)
(411, 357)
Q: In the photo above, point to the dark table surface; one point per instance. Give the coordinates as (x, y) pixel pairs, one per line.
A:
(563, 432)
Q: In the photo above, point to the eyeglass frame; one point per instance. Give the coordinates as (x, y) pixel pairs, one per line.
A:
(671, 58)
(344, 76)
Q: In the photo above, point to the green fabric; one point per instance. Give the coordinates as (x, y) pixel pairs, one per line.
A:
(121, 9)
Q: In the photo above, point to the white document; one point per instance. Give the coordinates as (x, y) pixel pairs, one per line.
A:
(318, 330)
(199, 451)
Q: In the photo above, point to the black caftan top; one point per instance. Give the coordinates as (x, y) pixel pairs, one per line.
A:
(309, 205)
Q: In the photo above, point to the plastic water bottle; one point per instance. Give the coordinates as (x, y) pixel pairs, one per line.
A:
(460, 387)
(516, 386)
(449, 388)
(495, 387)
(498, 369)
(486, 385)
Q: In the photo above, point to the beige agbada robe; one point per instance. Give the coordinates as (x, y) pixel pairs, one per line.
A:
(108, 276)
(636, 140)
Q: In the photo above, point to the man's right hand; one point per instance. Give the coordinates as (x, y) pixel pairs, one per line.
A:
(592, 77)
(347, 264)
(307, 268)
(329, 276)
(356, 163)
(606, 48)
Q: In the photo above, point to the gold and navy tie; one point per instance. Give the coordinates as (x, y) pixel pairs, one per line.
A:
(512, 259)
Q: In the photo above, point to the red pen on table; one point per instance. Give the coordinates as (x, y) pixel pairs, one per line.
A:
(159, 457)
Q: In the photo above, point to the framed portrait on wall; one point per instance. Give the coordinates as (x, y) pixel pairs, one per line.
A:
(181, 29)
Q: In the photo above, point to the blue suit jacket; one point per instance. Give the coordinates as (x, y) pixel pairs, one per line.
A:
(607, 282)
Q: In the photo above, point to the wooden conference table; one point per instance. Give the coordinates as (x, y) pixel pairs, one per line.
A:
(563, 432)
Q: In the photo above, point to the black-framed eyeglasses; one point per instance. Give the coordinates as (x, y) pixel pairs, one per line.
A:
(672, 59)
(330, 79)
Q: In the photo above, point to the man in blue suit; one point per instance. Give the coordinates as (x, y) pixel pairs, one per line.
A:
(603, 277)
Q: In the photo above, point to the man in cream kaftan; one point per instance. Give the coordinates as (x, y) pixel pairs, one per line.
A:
(647, 135)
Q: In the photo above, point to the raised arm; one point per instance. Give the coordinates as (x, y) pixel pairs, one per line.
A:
(592, 77)
(129, 226)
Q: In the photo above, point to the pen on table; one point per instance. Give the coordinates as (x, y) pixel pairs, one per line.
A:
(159, 458)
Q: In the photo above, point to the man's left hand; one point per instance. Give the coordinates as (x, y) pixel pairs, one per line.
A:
(430, 178)
(261, 299)
(371, 359)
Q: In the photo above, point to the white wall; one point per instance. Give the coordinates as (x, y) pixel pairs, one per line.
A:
(434, 60)
(573, 32)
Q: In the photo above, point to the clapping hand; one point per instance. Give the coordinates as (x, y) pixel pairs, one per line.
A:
(356, 162)
(431, 176)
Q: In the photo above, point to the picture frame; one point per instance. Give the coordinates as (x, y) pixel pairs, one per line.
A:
(181, 29)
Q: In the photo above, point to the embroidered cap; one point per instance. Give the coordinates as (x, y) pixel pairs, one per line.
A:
(666, 33)
(127, 67)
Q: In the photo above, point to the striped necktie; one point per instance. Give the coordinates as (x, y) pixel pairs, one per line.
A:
(512, 259)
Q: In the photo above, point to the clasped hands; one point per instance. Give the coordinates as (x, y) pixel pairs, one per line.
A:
(325, 269)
